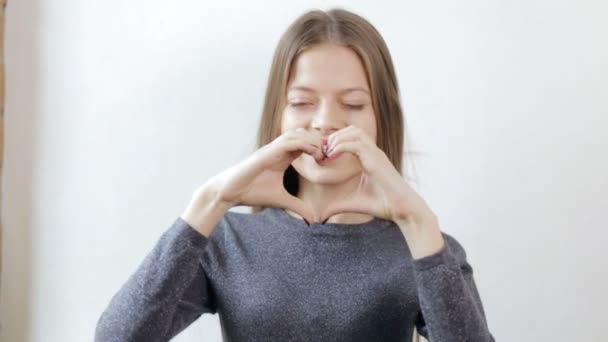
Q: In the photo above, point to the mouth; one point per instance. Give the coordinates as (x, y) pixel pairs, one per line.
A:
(326, 159)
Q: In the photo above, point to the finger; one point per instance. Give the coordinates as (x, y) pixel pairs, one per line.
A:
(341, 136)
(348, 134)
(318, 140)
(298, 139)
(339, 140)
(298, 206)
(346, 206)
(337, 134)
(311, 136)
(302, 146)
(353, 147)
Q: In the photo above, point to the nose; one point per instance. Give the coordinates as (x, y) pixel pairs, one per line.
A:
(328, 119)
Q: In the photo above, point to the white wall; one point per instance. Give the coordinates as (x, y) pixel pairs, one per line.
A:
(118, 110)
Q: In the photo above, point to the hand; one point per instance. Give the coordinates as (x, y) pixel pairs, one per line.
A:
(258, 180)
(382, 191)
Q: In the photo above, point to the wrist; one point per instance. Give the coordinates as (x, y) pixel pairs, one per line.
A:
(205, 210)
(421, 217)
(423, 235)
(209, 194)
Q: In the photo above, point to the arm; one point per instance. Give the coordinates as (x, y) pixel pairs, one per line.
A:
(451, 308)
(167, 292)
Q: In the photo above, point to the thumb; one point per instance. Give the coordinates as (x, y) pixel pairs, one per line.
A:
(300, 207)
(350, 205)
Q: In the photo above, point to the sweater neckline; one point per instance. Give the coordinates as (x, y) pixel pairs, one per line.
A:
(327, 228)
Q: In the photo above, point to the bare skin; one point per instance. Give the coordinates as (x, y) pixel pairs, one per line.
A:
(328, 134)
(327, 91)
(328, 94)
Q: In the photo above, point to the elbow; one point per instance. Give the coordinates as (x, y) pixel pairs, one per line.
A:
(120, 328)
(110, 328)
(108, 331)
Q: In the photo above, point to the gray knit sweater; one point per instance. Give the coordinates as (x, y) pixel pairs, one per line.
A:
(272, 277)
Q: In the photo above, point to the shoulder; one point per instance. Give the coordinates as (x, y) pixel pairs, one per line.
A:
(235, 225)
(454, 246)
(237, 235)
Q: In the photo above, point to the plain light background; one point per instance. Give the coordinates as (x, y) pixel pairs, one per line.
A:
(117, 110)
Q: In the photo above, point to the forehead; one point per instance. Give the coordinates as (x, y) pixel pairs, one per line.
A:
(328, 68)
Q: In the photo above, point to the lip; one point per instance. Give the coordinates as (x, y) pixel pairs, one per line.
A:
(329, 160)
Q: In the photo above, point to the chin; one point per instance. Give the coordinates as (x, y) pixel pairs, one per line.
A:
(335, 172)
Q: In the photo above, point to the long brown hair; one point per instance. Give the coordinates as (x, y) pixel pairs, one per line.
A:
(345, 28)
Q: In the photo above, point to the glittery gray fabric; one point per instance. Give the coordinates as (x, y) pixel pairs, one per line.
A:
(272, 277)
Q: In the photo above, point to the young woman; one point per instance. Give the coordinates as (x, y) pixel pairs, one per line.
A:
(338, 247)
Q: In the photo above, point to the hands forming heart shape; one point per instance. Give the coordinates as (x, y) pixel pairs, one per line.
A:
(382, 191)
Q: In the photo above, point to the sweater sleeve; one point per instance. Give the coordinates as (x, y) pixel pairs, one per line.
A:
(451, 308)
(167, 292)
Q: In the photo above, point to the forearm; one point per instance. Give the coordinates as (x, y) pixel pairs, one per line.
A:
(449, 300)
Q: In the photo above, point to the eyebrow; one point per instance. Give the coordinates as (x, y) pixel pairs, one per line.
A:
(343, 91)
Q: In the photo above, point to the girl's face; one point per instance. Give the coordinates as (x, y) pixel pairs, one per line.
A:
(328, 91)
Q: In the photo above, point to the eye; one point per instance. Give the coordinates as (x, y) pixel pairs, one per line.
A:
(354, 107)
(299, 104)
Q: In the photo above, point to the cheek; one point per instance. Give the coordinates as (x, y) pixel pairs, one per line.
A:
(288, 121)
(368, 124)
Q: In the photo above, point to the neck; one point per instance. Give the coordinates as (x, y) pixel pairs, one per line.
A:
(320, 196)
